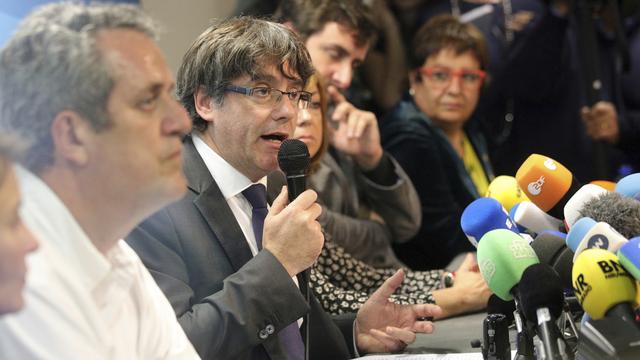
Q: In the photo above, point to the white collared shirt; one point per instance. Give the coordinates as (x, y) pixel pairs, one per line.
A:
(81, 304)
(232, 183)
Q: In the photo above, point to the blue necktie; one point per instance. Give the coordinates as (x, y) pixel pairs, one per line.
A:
(290, 337)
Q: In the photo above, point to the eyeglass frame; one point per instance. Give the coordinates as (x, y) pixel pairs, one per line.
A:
(428, 71)
(248, 91)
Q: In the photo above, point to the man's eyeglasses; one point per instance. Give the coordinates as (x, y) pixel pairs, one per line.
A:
(271, 97)
(442, 76)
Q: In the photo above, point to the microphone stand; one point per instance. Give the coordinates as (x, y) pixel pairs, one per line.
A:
(524, 340)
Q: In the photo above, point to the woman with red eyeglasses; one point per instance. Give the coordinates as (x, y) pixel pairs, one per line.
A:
(433, 138)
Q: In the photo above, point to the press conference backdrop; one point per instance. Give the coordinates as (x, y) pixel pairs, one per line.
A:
(12, 11)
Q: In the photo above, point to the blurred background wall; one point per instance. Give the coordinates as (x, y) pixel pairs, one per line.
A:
(181, 20)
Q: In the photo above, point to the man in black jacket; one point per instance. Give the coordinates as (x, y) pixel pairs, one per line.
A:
(230, 272)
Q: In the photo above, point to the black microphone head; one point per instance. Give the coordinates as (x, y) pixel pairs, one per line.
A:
(293, 157)
(622, 213)
(540, 288)
(553, 251)
(499, 306)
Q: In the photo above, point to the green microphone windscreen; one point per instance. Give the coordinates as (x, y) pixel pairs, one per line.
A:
(503, 259)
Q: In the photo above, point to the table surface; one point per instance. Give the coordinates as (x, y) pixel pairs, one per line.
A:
(453, 335)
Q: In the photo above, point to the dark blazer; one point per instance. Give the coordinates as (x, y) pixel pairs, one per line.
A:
(441, 180)
(229, 303)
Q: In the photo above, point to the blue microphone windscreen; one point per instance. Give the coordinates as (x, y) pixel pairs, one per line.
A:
(629, 185)
(482, 216)
(578, 231)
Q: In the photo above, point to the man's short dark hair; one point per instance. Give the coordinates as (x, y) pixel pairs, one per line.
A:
(234, 48)
(446, 32)
(310, 16)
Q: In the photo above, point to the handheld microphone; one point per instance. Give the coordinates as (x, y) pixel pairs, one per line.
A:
(599, 236)
(578, 232)
(629, 186)
(547, 183)
(483, 215)
(572, 210)
(531, 219)
(552, 250)
(505, 189)
(629, 256)
(541, 298)
(502, 257)
(621, 212)
(293, 158)
(603, 287)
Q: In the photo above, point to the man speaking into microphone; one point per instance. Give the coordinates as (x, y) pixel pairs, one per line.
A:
(226, 260)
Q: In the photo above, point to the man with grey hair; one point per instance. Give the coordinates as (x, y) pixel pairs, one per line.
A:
(88, 88)
(228, 262)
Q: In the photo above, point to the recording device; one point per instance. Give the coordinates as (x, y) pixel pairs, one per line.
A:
(592, 235)
(541, 297)
(572, 210)
(505, 189)
(495, 330)
(293, 158)
(532, 220)
(629, 186)
(495, 305)
(622, 213)
(603, 287)
(552, 250)
(547, 183)
(483, 215)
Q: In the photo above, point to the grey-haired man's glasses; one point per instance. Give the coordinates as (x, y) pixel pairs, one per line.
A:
(271, 97)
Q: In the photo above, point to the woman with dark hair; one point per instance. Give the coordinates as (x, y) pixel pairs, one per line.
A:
(432, 136)
(15, 240)
(341, 282)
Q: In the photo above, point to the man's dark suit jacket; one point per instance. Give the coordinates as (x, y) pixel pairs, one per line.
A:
(229, 303)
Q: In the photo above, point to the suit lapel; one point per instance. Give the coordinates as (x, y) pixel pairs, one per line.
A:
(214, 208)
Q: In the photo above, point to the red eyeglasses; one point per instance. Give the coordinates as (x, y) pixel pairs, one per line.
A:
(442, 76)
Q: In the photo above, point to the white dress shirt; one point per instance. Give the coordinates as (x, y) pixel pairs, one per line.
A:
(232, 183)
(81, 304)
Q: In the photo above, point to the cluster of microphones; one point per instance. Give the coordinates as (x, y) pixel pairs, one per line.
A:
(556, 252)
